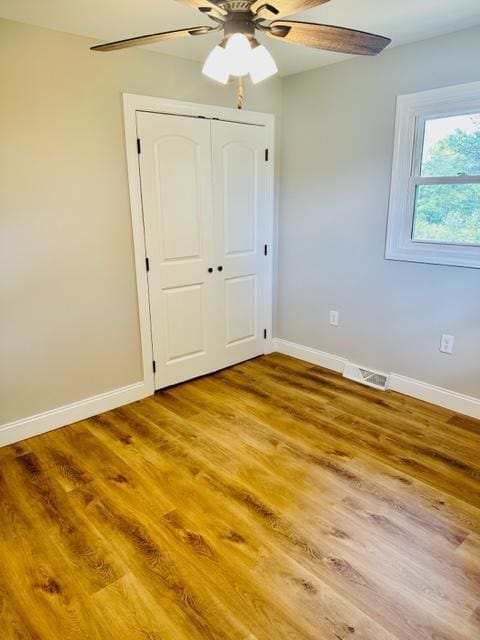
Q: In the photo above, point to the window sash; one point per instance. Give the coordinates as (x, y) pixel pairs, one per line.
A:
(462, 179)
(417, 156)
(419, 134)
(416, 180)
(410, 213)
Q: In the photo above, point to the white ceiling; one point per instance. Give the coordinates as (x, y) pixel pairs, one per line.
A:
(402, 20)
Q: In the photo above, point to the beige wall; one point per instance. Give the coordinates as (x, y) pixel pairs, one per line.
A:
(337, 141)
(69, 327)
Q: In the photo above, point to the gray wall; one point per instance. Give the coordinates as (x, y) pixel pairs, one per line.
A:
(68, 321)
(337, 141)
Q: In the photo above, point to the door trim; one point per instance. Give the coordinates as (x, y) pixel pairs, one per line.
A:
(133, 103)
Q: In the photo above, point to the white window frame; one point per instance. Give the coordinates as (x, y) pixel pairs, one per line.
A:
(412, 112)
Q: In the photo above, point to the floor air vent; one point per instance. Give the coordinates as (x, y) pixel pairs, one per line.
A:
(371, 378)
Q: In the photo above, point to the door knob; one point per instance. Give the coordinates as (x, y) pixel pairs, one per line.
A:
(220, 268)
(210, 269)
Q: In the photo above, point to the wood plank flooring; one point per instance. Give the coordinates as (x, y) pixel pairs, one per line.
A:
(273, 500)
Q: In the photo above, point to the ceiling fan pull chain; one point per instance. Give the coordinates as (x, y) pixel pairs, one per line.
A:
(240, 93)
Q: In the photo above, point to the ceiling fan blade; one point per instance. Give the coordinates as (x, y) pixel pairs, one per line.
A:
(324, 36)
(286, 7)
(152, 38)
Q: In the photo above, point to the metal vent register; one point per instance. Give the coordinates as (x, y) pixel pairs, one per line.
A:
(375, 379)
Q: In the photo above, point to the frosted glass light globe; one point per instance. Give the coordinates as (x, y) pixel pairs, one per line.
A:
(262, 65)
(239, 53)
(216, 65)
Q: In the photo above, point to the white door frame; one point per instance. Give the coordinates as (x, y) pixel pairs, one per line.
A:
(133, 103)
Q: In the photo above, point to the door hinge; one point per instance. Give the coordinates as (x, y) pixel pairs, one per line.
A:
(264, 334)
(265, 249)
(266, 155)
(147, 264)
(139, 146)
(154, 367)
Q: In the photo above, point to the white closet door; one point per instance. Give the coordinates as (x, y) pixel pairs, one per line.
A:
(176, 180)
(239, 179)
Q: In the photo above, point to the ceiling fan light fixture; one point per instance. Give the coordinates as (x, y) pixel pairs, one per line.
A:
(239, 53)
(217, 65)
(262, 65)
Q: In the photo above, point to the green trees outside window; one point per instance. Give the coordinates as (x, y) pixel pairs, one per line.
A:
(449, 213)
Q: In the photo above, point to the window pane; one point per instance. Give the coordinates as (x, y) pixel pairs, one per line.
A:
(451, 146)
(448, 213)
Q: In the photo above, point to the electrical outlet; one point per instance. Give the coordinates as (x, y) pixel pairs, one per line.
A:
(446, 343)
(334, 318)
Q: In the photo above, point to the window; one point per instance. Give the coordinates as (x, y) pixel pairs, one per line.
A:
(434, 213)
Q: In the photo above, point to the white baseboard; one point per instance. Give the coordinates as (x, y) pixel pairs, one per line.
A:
(49, 420)
(43, 422)
(320, 358)
(446, 398)
(468, 405)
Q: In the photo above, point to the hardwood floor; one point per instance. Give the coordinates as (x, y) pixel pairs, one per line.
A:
(273, 500)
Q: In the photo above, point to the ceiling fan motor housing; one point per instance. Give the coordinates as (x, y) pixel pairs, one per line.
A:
(239, 18)
(240, 23)
(236, 5)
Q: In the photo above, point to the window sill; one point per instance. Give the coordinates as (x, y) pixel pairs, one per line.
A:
(448, 255)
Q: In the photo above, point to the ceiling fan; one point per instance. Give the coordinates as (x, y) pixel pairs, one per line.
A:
(239, 53)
